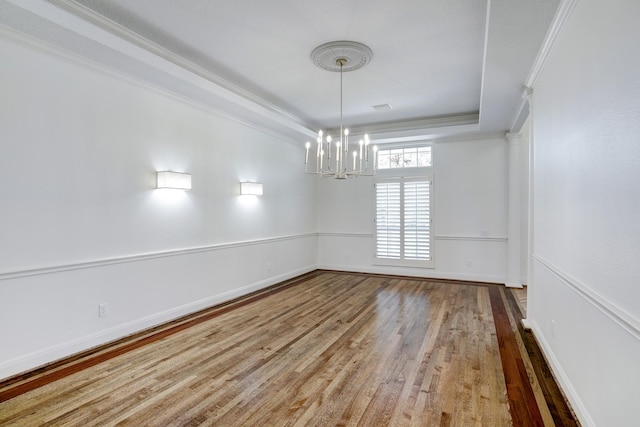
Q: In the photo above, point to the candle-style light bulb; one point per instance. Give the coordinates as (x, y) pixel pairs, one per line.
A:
(346, 142)
(375, 154)
(355, 156)
(306, 154)
(366, 148)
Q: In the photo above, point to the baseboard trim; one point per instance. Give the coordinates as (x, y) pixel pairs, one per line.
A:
(514, 285)
(560, 376)
(421, 273)
(63, 350)
(36, 377)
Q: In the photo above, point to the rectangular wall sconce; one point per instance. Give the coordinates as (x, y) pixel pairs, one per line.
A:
(251, 188)
(175, 180)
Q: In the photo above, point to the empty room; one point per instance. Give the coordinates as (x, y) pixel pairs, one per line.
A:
(297, 213)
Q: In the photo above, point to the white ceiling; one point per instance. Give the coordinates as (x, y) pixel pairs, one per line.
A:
(445, 66)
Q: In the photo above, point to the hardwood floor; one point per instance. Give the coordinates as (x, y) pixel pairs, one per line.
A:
(544, 385)
(328, 349)
(520, 295)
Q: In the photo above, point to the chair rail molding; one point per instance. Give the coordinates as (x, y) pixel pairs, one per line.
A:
(627, 321)
(57, 268)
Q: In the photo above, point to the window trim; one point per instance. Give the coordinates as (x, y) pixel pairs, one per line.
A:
(402, 146)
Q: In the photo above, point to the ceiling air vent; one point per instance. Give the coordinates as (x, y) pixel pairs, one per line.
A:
(382, 107)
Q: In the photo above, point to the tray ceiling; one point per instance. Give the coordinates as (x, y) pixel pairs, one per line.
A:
(444, 66)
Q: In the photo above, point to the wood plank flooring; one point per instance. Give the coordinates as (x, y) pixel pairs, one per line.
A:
(328, 349)
(520, 295)
(550, 397)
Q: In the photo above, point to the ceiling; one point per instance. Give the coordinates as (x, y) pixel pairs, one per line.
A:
(444, 66)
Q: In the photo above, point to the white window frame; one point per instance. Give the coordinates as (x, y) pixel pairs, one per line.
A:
(404, 148)
(417, 174)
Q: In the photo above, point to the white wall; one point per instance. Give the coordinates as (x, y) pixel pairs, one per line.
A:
(470, 198)
(81, 223)
(585, 296)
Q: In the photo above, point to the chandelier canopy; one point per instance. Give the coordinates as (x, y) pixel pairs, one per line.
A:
(332, 160)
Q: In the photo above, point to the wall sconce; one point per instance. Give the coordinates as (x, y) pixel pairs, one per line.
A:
(251, 188)
(175, 180)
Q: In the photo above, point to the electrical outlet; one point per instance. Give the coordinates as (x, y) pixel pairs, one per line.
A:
(268, 266)
(103, 309)
(469, 263)
(553, 328)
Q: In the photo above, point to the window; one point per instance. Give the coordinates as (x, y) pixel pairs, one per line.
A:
(413, 157)
(403, 221)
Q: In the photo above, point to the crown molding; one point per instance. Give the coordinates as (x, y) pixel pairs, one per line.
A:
(80, 20)
(469, 137)
(419, 124)
(40, 45)
(419, 129)
(561, 17)
(126, 34)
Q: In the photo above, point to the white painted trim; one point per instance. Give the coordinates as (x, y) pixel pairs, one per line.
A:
(41, 46)
(560, 376)
(521, 115)
(124, 33)
(50, 269)
(428, 123)
(528, 93)
(56, 352)
(514, 285)
(563, 13)
(514, 215)
(68, 15)
(478, 136)
(526, 324)
(473, 238)
(357, 235)
(627, 321)
(440, 237)
(418, 272)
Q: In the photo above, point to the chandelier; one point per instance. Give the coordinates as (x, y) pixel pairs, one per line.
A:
(341, 160)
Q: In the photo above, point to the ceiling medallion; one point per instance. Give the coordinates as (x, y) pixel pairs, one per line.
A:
(355, 54)
(341, 56)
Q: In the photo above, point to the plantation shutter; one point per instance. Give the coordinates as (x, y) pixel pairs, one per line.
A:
(417, 221)
(388, 220)
(403, 221)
